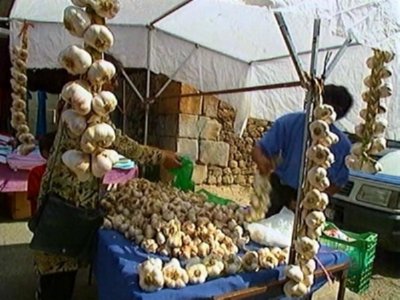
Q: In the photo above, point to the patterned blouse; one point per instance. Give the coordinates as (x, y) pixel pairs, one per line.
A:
(63, 182)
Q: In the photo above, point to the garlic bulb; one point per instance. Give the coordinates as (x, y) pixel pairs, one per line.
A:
(25, 149)
(295, 289)
(104, 103)
(321, 155)
(309, 267)
(233, 264)
(174, 276)
(80, 3)
(78, 162)
(75, 60)
(101, 165)
(97, 136)
(378, 145)
(319, 130)
(19, 77)
(318, 178)
(306, 247)
(371, 167)
(76, 123)
(150, 264)
(76, 20)
(26, 138)
(105, 8)
(325, 113)
(197, 273)
(99, 37)
(100, 72)
(250, 261)
(214, 265)
(267, 259)
(353, 162)
(151, 280)
(314, 199)
(315, 219)
(294, 272)
(78, 96)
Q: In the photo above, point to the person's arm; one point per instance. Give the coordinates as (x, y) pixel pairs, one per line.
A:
(131, 149)
(269, 147)
(338, 173)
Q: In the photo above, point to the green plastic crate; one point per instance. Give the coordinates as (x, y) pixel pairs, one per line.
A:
(362, 255)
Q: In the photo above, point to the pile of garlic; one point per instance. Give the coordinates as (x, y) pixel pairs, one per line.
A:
(312, 218)
(259, 199)
(371, 132)
(89, 107)
(19, 82)
(153, 276)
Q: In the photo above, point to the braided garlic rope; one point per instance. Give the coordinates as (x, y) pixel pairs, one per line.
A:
(19, 82)
(89, 106)
(371, 131)
(312, 218)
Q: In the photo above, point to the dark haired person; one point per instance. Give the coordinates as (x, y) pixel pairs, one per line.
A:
(278, 152)
(36, 174)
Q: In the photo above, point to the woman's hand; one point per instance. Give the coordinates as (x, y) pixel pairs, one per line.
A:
(171, 160)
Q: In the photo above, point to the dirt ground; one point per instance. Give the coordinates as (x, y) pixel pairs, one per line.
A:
(385, 282)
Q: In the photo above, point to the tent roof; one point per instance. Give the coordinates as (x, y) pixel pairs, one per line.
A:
(132, 12)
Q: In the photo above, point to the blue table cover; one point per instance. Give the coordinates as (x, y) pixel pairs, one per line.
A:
(117, 277)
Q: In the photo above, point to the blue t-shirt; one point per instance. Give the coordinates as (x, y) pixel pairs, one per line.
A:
(285, 138)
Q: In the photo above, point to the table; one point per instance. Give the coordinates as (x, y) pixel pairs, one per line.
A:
(115, 269)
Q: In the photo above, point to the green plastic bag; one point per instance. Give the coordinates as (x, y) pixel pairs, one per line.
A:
(214, 198)
(183, 175)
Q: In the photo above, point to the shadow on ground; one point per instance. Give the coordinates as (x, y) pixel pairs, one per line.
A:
(18, 280)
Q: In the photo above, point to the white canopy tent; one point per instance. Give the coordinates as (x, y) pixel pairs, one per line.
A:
(212, 45)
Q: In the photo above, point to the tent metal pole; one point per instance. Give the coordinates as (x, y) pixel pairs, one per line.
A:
(290, 45)
(309, 105)
(132, 85)
(174, 74)
(238, 90)
(124, 107)
(148, 84)
(337, 57)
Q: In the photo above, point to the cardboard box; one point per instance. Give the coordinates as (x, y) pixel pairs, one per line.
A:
(19, 205)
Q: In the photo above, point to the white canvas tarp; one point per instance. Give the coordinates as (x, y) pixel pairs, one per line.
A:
(229, 45)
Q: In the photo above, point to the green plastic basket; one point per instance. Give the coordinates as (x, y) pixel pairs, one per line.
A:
(362, 255)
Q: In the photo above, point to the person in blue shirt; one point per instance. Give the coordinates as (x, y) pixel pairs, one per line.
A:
(278, 153)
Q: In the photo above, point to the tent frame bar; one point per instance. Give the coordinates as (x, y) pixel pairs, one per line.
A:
(338, 56)
(171, 11)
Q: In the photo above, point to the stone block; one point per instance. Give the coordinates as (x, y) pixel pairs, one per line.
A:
(190, 105)
(210, 106)
(188, 126)
(199, 174)
(210, 129)
(188, 147)
(214, 153)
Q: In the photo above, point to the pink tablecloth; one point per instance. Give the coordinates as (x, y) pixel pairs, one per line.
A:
(17, 181)
(13, 181)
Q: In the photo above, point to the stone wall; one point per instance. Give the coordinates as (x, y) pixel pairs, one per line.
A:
(199, 127)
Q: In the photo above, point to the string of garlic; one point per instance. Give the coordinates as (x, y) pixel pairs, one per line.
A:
(371, 131)
(89, 106)
(312, 218)
(19, 82)
(259, 199)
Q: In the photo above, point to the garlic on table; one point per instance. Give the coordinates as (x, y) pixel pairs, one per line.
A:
(250, 261)
(101, 71)
(149, 264)
(197, 273)
(149, 245)
(174, 275)
(318, 178)
(267, 259)
(97, 136)
(76, 20)
(233, 264)
(281, 255)
(105, 8)
(99, 37)
(151, 277)
(75, 60)
(104, 103)
(78, 162)
(76, 123)
(215, 266)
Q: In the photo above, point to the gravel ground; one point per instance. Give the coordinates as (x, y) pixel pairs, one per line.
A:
(18, 281)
